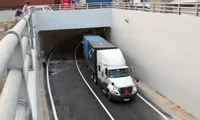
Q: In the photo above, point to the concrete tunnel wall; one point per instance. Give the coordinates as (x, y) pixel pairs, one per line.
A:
(164, 51)
(162, 48)
(71, 19)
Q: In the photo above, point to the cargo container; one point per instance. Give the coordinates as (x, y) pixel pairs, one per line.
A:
(85, 42)
(108, 68)
(20, 3)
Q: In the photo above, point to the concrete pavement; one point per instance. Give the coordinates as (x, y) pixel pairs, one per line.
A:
(7, 15)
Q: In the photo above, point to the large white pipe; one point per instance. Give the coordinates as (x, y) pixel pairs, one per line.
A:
(7, 45)
(9, 42)
(22, 106)
(9, 96)
(21, 111)
(19, 27)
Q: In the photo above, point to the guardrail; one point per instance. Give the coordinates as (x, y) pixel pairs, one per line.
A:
(176, 8)
(15, 63)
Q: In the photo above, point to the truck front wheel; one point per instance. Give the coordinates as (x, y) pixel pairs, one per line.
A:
(109, 95)
(95, 79)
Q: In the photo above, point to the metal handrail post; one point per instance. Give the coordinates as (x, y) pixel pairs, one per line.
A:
(72, 5)
(135, 6)
(143, 6)
(153, 5)
(196, 10)
(59, 7)
(9, 96)
(113, 5)
(164, 8)
(178, 11)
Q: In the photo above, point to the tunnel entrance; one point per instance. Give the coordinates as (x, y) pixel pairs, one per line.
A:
(71, 96)
(49, 39)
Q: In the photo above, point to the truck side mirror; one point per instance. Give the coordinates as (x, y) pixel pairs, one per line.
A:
(130, 70)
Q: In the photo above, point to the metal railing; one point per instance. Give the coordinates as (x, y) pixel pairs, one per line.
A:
(176, 8)
(15, 63)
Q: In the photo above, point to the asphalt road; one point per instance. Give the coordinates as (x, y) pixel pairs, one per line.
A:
(74, 101)
(132, 110)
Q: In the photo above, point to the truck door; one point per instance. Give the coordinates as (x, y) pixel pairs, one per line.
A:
(99, 71)
(105, 76)
(102, 70)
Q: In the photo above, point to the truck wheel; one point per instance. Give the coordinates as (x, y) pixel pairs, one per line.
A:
(103, 88)
(109, 95)
(92, 76)
(95, 79)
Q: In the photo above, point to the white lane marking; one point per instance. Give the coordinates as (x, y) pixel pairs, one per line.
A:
(48, 85)
(50, 94)
(160, 113)
(111, 117)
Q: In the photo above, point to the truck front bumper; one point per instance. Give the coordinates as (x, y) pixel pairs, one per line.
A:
(123, 97)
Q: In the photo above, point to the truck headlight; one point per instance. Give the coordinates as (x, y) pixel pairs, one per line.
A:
(114, 90)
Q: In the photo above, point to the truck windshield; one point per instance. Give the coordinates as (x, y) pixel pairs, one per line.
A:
(118, 73)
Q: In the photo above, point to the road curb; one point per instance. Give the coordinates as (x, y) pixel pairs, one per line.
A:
(157, 103)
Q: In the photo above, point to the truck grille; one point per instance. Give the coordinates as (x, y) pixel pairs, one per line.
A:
(125, 89)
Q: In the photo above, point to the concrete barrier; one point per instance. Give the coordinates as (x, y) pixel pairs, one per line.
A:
(163, 50)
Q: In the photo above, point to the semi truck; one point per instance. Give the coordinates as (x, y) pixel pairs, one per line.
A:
(108, 68)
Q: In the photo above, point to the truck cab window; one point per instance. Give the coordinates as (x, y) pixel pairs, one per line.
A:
(115, 73)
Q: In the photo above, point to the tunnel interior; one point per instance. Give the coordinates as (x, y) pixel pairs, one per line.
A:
(60, 85)
(71, 38)
(71, 95)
